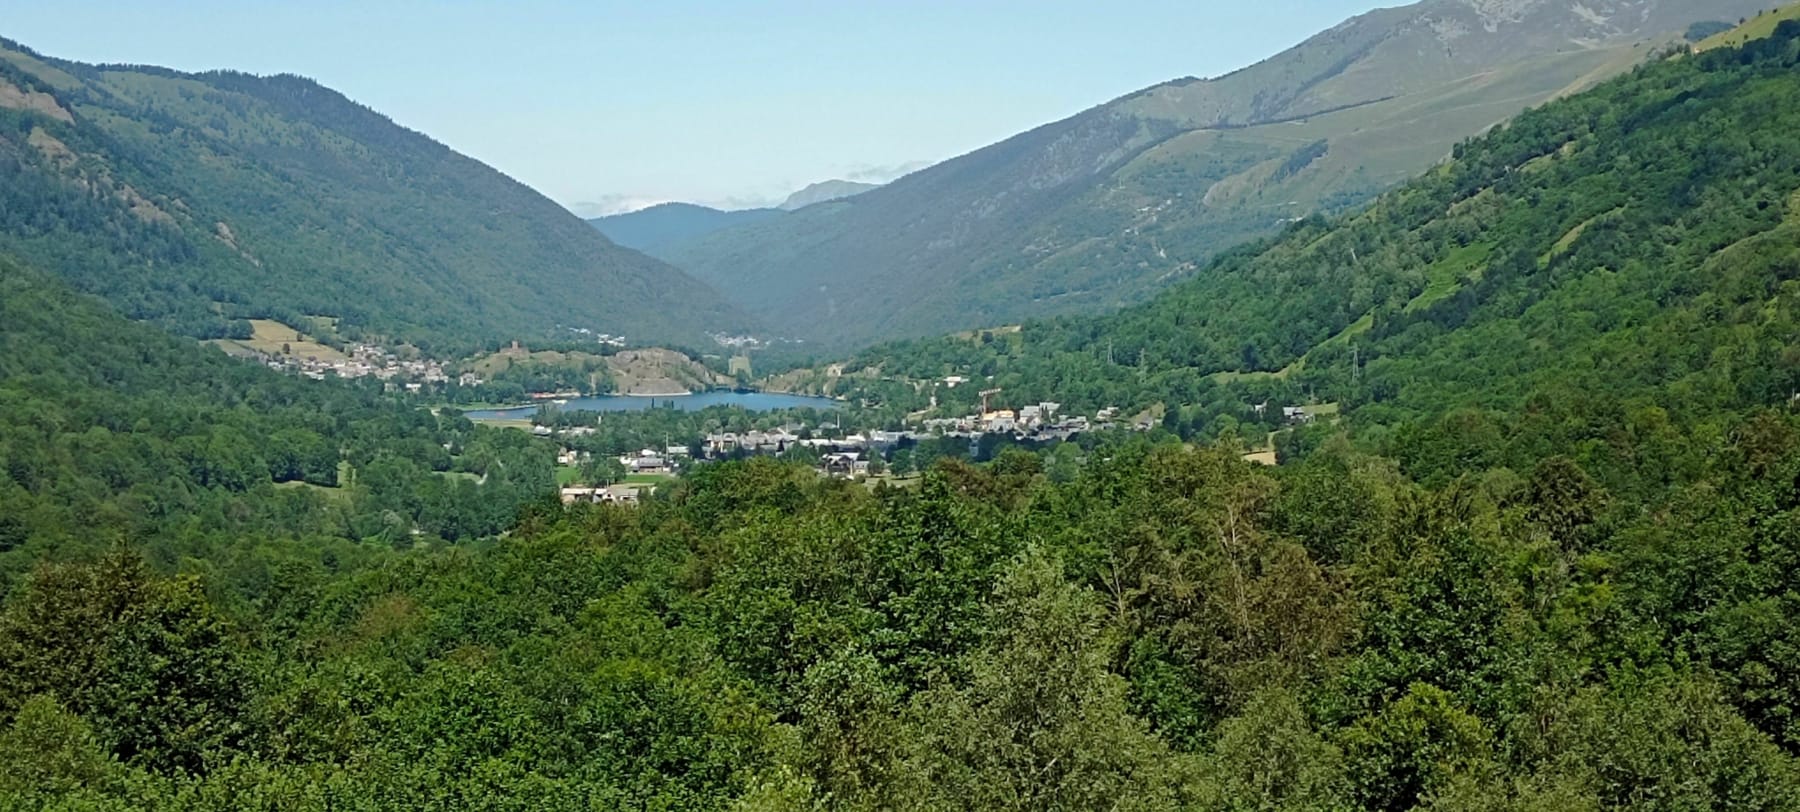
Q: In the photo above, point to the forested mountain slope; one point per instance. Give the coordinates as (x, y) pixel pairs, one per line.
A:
(116, 431)
(1148, 628)
(1632, 248)
(1103, 208)
(1553, 566)
(1578, 600)
(196, 200)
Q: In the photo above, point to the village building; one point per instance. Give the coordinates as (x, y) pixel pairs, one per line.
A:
(612, 494)
(844, 464)
(647, 461)
(571, 496)
(886, 440)
(619, 494)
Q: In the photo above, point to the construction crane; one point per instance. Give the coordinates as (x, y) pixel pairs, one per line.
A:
(984, 398)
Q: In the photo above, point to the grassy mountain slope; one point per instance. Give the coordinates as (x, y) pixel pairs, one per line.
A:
(1617, 261)
(1758, 27)
(658, 227)
(1103, 208)
(194, 200)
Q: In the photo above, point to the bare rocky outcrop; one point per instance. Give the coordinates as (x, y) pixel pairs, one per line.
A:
(16, 98)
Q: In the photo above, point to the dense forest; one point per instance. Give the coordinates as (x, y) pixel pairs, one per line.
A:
(1547, 559)
(1171, 629)
(199, 200)
(115, 432)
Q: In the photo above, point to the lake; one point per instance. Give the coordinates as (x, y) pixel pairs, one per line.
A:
(752, 401)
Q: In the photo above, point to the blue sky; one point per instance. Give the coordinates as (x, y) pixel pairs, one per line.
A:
(598, 104)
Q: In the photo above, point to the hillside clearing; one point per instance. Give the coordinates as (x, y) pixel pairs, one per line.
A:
(1442, 278)
(275, 338)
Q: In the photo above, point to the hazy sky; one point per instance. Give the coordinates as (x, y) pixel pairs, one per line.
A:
(599, 103)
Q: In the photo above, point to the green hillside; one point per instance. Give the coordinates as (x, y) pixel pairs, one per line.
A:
(1104, 208)
(1757, 27)
(199, 200)
(117, 431)
(1547, 560)
(1627, 254)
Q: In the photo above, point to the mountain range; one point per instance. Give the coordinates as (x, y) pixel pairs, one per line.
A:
(654, 229)
(658, 228)
(1613, 266)
(1483, 496)
(1103, 208)
(825, 191)
(199, 200)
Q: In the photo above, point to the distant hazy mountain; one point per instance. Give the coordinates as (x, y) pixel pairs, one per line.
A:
(825, 190)
(663, 228)
(196, 200)
(654, 229)
(1101, 209)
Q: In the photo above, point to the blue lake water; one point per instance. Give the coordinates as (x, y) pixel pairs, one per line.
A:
(753, 401)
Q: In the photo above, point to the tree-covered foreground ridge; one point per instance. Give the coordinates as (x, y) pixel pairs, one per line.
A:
(1549, 559)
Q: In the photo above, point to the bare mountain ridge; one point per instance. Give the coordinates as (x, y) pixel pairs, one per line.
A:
(1102, 208)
